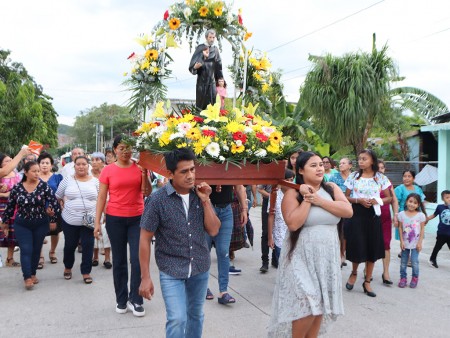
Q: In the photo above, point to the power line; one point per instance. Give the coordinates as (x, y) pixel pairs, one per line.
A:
(326, 26)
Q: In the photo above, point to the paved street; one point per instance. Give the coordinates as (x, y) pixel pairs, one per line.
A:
(60, 308)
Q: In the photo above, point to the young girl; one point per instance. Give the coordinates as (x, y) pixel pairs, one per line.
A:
(221, 88)
(411, 227)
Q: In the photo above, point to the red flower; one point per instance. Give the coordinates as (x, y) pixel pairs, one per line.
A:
(185, 111)
(166, 15)
(239, 135)
(261, 137)
(157, 123)
(210, 133)
(198, 119)
(251, 117)
(131, 55)
(135, 133)
(223, 112)
(240, 19)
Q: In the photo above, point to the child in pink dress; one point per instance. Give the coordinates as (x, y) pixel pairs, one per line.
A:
(221, 88)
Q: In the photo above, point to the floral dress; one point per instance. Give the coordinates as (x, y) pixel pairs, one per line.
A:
(10, 240)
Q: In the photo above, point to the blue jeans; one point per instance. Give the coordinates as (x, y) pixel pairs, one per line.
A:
(123, 230)
(222, 243)
(184, 299)
(73, 234)
(414, 262)
(30, 234)
(277, 252)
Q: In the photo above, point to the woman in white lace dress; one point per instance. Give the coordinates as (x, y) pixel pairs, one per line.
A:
(308, 288)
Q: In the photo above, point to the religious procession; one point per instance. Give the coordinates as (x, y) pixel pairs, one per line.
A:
(232, 214)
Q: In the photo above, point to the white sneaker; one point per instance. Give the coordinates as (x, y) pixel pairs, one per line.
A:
(137, 309)
(121, 309)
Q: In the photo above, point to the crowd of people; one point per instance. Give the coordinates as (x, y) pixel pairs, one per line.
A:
(107, 203)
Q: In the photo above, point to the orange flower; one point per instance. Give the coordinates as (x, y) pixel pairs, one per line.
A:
(247, 36)
(151, 54)
(174, 23)
(203, 11)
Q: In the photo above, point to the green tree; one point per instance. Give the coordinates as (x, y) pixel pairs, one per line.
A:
(115, 120)
(26, 113)
(344, 95)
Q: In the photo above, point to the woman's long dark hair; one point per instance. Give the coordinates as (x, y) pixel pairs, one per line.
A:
(302, 159)
(26, 168)
(374, 166)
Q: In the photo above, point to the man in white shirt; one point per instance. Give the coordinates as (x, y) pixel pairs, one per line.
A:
(68, 169)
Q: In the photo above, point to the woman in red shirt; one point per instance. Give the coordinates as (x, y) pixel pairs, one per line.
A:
(127, 184)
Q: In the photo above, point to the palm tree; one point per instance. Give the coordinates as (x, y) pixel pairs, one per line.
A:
(347, 95)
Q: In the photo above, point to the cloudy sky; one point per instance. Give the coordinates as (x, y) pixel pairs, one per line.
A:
(77, 50)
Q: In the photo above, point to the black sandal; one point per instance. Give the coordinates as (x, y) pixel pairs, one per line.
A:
(41, 263)
(67, 275)
(87, 280)
(369, 293)
(349, 286)
(52, 257)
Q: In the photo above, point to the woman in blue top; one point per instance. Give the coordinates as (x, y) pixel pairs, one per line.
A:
(402, 192)
(45, 161)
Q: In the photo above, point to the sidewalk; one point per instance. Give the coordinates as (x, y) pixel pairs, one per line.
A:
(60, 308)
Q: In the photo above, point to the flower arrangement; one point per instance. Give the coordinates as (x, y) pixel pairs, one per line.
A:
(188, 19)
(148, 70)
(259, 76)
(214, 134)
(192, 17)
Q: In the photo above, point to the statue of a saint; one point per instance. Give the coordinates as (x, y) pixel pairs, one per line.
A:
(207, 65)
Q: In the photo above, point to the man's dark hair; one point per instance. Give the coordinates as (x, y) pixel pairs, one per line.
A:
(173, 157)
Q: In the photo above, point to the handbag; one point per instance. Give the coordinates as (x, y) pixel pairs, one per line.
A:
(87, 220)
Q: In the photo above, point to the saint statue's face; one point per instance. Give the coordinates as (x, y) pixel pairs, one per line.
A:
(211, 38)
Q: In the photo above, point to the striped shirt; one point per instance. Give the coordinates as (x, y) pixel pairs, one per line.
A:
(74, 207)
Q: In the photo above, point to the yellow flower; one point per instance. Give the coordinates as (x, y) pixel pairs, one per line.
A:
(235, 149)
(182, 145)
(273, 148)
(151, 54)
(233, 127)
(247, 36)
(205, 140)
(170, 41)
(203, 11)
(212, 112)
(198, 148)
(154, 70)
(238, 116)
(265, 87)
(190, 2)
(187, 117)
(264, 63)
(125, 74)
(164, 139)
(144, 41)
(218, 11)
(145, 65)
(173, 122)
(251, 109)
(193, 134)
(275, 137)
(174, 23)
(159, 111)
(257, 77)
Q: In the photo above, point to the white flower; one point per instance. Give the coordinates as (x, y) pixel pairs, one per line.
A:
(238, 143)
(176, 135)
(187, 12)
(261, 153)
(213, 149)
(221, 158)
(229, 18)
(248, 130)
(208, 128)
(225, 147)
